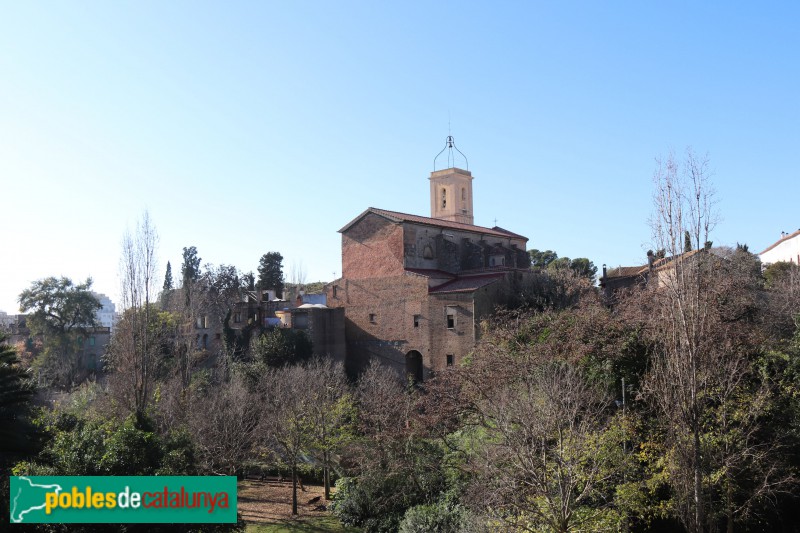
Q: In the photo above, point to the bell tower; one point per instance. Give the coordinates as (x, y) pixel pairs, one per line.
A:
(451, 189)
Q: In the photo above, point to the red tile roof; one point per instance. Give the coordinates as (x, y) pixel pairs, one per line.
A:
(624, 272)
(396, 216)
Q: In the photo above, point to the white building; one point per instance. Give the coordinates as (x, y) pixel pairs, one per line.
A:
(786, 249)
(106, 315)
(6, 320)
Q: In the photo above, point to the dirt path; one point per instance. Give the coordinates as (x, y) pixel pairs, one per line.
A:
(271, 501)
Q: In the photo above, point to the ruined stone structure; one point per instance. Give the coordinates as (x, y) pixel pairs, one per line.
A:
(415, 288)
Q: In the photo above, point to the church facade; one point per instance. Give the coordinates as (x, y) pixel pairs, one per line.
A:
(414, 289)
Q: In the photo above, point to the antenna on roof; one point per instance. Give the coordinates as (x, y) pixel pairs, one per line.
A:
(450, 145)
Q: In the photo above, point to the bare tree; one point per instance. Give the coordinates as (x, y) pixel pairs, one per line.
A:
(699, 311)
(544, 455)
(286, 425)
(225, 429)
(138, 266)
(331, 409)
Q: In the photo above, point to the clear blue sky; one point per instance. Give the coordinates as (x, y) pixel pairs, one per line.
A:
(251, 127)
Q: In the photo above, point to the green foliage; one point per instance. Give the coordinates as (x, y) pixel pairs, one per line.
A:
(58, 306)
(16, 394)
(280, 347)
(441, 517)
(270, 272)
(190, 269)
(249, 281)
(82, 445)
(168, 284)
(541, 259)
(549, 260)
(781, 272)
(61, 313)
(379, 497)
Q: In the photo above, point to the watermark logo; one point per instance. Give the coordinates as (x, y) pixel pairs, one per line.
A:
(122, 499)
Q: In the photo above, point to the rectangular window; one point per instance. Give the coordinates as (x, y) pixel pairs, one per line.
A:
(372, 318)
(335, 291)
(91, 341)
(416, 321)
(449, 359)
(237, 318)
(451, 318)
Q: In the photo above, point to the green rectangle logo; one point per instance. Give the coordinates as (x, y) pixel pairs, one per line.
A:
(123, 499)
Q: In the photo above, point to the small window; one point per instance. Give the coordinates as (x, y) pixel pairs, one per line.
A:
(91, 341)
(463, 193)
(372, 318)
(416, 321)
(451, 319)
(237, 317)
(444, 198)
(449, 359)
(335, 291)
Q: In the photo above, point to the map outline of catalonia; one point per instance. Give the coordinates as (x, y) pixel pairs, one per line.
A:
(18, 517)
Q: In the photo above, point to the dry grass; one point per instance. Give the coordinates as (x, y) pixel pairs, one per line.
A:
(271, 501)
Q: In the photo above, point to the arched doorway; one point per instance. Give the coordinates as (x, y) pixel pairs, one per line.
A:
(414, 365)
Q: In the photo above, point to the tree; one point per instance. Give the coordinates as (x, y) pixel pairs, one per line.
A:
(550, 261)
(133, 366)
(168, 285)
(190, 273)
(330, 413)
(61, 312)
(58, 305)
(286, 422)
(16, 393)
(270, 272)
(280, 347)
(544, 455)
(225, 430)
(138, 275)
(702, 315)
(249, 281)
(541, 259)
(190, 268)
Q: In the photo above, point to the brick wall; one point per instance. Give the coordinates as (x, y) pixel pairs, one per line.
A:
(371, 248)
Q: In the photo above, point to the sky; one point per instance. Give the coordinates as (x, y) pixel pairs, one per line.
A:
(249, 127)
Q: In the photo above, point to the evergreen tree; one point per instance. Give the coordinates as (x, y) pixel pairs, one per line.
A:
(249, 281)
(270, 272)
(190, 269)
(168, 286)
(16, 393)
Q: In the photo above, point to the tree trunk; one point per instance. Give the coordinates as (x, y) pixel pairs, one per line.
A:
(326, 474)
(294, 488)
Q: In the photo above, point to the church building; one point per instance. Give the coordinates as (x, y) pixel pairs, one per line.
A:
(414, 289)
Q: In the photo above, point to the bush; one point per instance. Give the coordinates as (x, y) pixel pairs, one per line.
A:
(440, 517)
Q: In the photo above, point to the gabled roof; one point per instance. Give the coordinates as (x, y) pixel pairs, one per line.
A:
(781, 240)
(395, 216)
(624, 272)
(659, 264)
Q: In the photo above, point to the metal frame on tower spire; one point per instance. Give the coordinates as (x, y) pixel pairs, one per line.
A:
(450, 145)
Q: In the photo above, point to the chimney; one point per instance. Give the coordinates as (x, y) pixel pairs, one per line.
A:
(650, 258)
